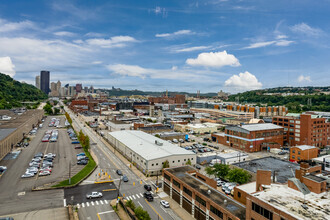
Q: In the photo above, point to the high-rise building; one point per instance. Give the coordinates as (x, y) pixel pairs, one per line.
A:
(92, 89)
(78, 88)
(38, 82)
(44, 81)
(86, 89)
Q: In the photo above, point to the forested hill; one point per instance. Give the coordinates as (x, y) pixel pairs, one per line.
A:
(297, 99)
(12, 92)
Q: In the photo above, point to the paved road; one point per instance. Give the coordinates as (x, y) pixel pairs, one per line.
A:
(110, 163)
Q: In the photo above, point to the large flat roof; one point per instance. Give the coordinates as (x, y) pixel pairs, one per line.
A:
(4, 132)
(283, 169)
(305, 147)
(144, 145)
(217, 197)
(290, 201)
(260, 126)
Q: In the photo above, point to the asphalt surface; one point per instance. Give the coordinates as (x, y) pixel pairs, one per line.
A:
(16, 192)
(110, 163)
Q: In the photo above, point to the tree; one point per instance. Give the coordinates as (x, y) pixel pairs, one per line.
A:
(188, 162)
(209, 171)
(48, 109)
(56, 111)
(55, 102)
(219, 170)
(166, 164)
(239, 176)
(130, 204)
(141, 214)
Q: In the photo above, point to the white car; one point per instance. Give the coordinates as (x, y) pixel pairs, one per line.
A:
(165, 203)
(27, 175)
(44, 173)
(94, 195)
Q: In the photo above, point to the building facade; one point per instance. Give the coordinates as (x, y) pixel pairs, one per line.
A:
(303, 129)
(44, 81)
(252, 137)
(303, 152)
(78, 88)
(38, 82)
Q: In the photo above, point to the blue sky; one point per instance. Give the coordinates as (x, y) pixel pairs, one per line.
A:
(233, 45)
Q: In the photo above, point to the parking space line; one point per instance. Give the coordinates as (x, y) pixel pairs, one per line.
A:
(140, 204)
(78, 206)
(87, 204)
(141, 194)
(64, 202)
(133, 196)
(106, 201)
(97, 203)
(83, 205)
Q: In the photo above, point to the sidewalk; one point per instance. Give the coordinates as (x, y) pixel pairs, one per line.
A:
(54, 214)
(181, 212)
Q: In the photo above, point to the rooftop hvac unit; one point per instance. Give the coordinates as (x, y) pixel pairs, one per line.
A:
(158, 143)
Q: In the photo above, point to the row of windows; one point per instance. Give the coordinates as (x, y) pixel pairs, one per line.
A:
(216, 212)
(201, 201)
(176, 183)
(187, 191)
(172, 162)
(262, 211)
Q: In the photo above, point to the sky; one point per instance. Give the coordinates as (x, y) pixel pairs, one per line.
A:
(158, 45)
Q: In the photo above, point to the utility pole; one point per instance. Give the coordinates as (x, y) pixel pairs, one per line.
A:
(157, 179)
(69, 172)
(118, 191)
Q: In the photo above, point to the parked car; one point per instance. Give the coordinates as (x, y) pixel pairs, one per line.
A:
(198, 166)
(27, 175)
(94, 195)
(82, 162)
(44, 173)
(81, 154)
(119, 172)
(3, 168)
(77, 147)
(147, 187)
(75, 142)
(165, 203)
(148, 196)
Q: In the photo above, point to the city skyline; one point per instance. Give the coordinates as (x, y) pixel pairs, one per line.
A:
(180, 46)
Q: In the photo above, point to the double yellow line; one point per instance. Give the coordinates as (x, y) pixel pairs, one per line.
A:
(154, 210)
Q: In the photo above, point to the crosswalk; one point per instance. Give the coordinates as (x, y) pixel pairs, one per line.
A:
(92, 203)
(136, 196)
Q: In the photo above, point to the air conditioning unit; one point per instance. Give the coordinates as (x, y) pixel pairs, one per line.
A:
(158, 143)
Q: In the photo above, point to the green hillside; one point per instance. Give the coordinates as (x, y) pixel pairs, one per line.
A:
(12, 93)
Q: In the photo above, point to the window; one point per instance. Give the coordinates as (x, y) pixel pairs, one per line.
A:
(293, 157)
(156, 164)
(239, 194)
(192, 158)
(167, 177)
(298, 152)
(262, 211)
(178, 161)
(293, 151)
(187, 191)
(176, 183)
(201, 201)
(184, 160)
(152, 165)
(173, 161)
(298, 158)
(216, 212)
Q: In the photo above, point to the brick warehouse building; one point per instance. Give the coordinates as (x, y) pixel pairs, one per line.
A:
(303, 152)
(197, 194)
(252, 137)
(303, 129)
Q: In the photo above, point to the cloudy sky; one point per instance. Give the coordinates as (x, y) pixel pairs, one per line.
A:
(154, 45)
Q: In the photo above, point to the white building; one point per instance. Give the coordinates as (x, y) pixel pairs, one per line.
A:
(147, 152)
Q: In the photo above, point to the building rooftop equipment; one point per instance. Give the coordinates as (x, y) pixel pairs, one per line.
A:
(295, 203)
(219, 198)
(144, 144)
(283, 169)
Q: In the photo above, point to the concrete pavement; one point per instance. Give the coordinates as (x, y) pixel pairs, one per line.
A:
(54, 214)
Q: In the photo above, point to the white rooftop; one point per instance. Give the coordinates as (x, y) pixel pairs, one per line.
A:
(249, 187)
(144, 145)
(289, 200)
(260, 126)
(205, 125)
(305, 147)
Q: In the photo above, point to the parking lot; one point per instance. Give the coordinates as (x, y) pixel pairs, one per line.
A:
(63, 149)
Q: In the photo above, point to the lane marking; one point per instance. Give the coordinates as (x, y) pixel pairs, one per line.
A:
(92, 203)
(137, 195)
(140, 204)
(64, 202)
(106, 190)
(97, 203)
(87, 204)
(83, 205)
(21, 193)
(154, 210)
(78, 206)
(130, 198)
(101, 202)
(141, 195)
(100, 213)
(133, 196)
(106, 201)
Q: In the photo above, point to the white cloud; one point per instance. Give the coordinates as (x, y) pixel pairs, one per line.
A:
(6, 66)
(242, 82)
(189, 49)
(214, 59)
(260, 44)
(283, 43)
(177, 33)
(138, 71)
(281, 36)
(304, 28)
(97, 62)
(159, 10)
(117, 41)
(6, 26)
(302, 78)
(64, 34)
(94, 34)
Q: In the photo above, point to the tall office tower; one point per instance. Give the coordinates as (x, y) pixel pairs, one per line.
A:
(92, 89)
(44, 81)
(86, 89)
(78, 88)
(38, 82)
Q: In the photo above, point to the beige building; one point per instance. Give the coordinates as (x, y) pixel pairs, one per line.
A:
(198, 128)
(13, 131)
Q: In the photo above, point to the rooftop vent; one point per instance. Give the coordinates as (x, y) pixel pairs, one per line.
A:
(158, 143)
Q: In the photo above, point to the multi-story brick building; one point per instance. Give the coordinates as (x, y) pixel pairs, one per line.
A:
(198, 195)
(303, 152)
(303, 129)
(252, 137)
(177, 99)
